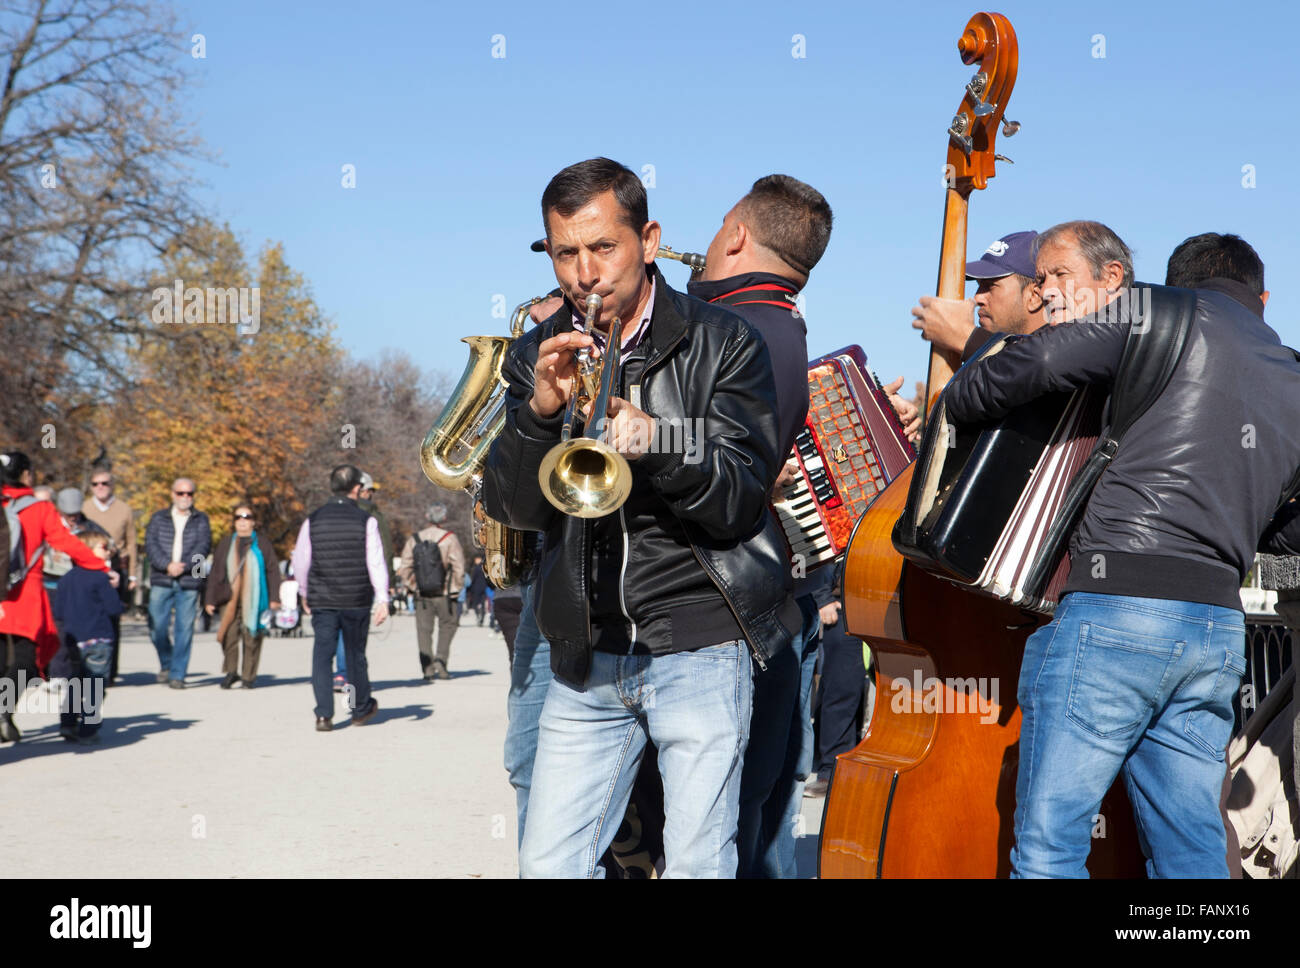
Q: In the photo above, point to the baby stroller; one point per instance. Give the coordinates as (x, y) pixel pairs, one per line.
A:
(287, 619)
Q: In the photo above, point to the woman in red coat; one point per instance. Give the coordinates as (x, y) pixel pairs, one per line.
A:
(27, 633)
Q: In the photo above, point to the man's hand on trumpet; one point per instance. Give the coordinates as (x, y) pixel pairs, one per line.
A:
(555, 374)
(628, 430)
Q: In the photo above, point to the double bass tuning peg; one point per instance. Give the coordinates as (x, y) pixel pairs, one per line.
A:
(1010, 127)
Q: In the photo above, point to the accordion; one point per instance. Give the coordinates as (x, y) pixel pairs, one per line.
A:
(850, 447)
(988, 502)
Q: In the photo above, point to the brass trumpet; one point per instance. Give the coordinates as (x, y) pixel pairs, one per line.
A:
(585, 477)
(455, 448)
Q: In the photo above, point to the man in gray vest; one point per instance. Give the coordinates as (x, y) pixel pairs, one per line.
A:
(342, 578)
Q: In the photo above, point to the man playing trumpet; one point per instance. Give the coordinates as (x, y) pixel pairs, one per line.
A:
(653, 610)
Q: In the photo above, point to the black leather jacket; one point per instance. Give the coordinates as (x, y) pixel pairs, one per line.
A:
(1197, 479)
(703, 362)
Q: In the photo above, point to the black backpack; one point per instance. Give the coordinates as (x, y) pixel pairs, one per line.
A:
(430, 572)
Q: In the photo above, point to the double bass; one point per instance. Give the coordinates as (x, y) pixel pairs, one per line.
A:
(930, 791)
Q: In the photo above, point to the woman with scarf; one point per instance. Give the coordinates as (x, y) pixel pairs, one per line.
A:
(245, 584)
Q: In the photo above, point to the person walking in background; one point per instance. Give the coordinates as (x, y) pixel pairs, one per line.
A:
(176, 541)
(55, 563)
(84, 607)
(339, 562)
(433, 564)
(118, 521)
(476, 596)
(245, 584)
(27, 633)
(366, 501)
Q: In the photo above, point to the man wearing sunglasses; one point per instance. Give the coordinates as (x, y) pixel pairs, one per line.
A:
(116, 517)
(177, 541)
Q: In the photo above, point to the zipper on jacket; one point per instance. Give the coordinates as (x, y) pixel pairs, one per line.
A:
(749, 636)
(622, 577)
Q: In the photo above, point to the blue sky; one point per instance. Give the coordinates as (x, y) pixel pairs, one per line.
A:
(452, 146)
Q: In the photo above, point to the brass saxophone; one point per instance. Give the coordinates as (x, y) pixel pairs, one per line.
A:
(455, 448)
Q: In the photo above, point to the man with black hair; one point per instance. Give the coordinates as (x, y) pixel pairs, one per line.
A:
(758, 262)
(343, 580)
(1220, 263)
(652, 611)
(1228, 264)
(1138, 668)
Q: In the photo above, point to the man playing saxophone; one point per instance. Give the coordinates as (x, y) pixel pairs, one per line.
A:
(652, 611)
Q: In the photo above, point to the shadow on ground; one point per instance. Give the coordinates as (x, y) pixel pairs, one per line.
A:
(114, 732)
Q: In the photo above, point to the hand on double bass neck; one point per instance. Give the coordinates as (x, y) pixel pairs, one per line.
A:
(945, 323)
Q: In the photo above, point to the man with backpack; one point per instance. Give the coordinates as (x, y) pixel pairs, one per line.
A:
(433, 563)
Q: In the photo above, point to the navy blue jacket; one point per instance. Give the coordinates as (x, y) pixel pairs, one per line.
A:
(84, 604)
(196, 543)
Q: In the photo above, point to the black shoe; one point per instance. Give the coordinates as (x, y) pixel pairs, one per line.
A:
(816, 789)
(176, 683)
(440, 672)
(69, 732)
(8, 731)
(230, 680)
(248, 683)
(368, 713)
(323, 725)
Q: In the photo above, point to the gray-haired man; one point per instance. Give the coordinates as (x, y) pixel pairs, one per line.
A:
(432, 601)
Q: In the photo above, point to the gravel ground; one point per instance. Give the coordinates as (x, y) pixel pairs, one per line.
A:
(210, 783)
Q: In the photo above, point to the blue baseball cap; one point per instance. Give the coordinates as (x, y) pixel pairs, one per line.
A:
(1011, 253)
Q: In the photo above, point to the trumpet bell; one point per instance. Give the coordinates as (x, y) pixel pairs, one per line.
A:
(585, 478)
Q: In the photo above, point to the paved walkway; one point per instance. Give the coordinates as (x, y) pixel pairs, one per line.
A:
(211, 783)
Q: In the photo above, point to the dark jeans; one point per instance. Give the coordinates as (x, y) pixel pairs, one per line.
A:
(507, 612)
(764, 845)
(844, 681)
(85, 671)
(327, 623)
(776, 692)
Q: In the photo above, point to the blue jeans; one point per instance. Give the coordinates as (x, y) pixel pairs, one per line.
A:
(327, 625)
(1137, 686)
(162, 600)
(695, 707)
(530, 676)
(340, 658)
